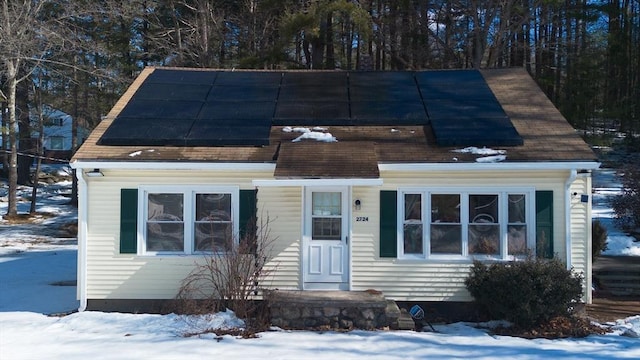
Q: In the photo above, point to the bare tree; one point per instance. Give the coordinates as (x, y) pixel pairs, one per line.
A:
(32, 33)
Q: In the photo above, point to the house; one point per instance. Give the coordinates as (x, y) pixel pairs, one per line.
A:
(394, 181)
(57, 137)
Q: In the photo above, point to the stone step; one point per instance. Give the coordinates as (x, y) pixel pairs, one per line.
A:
(405, 321)
(326, 310)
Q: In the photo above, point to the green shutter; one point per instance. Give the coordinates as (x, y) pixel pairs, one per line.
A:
(388, 223)
(128, 221)
(248, 215)
(544, 224)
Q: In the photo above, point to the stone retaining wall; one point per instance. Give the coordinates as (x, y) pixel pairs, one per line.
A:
(331, 310)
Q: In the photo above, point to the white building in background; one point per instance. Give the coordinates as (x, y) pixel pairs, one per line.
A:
(57, 132)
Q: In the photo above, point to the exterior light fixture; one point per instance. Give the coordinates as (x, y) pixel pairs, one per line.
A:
(94, 173)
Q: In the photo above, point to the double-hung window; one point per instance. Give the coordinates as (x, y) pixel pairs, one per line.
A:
(187, 220)
(477, 223)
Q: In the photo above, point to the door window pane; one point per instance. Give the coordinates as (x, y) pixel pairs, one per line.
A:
(165, 226)
(327, 228)
(326, 216)
(327, 203)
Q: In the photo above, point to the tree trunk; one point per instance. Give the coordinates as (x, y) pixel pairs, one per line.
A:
(12, 73)
(25, 141)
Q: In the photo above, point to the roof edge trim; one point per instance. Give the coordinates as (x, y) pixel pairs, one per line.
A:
(126, 165)
(317, 182)
(568, 165)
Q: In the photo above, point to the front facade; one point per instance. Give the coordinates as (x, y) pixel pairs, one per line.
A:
(349, 207)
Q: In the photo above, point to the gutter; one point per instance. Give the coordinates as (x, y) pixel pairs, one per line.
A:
(567, 214)
(516, 166)
(173, 165)
(83, 205)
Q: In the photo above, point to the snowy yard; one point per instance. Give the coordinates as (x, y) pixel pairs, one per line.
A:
(38, 269)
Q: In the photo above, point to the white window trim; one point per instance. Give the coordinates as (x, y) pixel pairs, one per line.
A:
(189, 195)
(502, 193)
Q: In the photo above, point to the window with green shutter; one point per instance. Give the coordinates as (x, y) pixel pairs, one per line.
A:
(185, 220)
(450, 223)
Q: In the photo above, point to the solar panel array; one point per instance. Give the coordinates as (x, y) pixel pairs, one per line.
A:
(217, 108)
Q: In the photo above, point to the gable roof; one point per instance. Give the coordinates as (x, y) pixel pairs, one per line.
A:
(545, 135)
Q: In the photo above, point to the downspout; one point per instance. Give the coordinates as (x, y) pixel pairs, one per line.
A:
(82, 239)
(567, 213)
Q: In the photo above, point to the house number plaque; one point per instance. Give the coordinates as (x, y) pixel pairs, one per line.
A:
(362, 218)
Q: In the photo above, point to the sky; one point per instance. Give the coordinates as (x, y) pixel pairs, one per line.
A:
(38, 269)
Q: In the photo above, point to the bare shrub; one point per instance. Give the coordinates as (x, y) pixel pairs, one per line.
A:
(231, 279)
(598, 239)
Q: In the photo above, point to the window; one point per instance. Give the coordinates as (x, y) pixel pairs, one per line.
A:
(482, 223)
(197, 220)
(55, 122)
(56, 143)
(326, 216)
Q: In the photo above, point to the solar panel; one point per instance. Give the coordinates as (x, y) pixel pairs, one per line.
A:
(262, 110)
(248, 78)
(307, 112)
(385, 93)
(381, 78)
(172, 76)
(475, 132)
(388, 113)
(146, 132)
(215, 108)
(154, 109)
(172, 92)
(464, 109)
(307, 93)
(315, 79)
(242, 133)
(459, 77)
(243, 93)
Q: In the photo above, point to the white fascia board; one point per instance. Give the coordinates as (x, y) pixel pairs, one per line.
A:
(580, 165)
(155, 165)
(316, 182)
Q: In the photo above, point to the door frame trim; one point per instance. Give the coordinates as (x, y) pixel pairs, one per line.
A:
(304, 241)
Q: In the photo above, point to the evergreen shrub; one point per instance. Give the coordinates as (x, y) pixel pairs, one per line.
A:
(527, 293)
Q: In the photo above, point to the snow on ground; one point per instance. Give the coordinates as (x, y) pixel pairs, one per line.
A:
(606, 185)
(37, 270)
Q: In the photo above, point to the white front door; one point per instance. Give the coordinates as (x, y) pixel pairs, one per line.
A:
(326, 238)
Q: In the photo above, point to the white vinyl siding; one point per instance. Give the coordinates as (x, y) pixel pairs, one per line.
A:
(281, 207)
(436, 279)
(581, 237)
(111, 275)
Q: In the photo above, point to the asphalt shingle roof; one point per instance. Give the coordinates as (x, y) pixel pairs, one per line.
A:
(547, 137)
